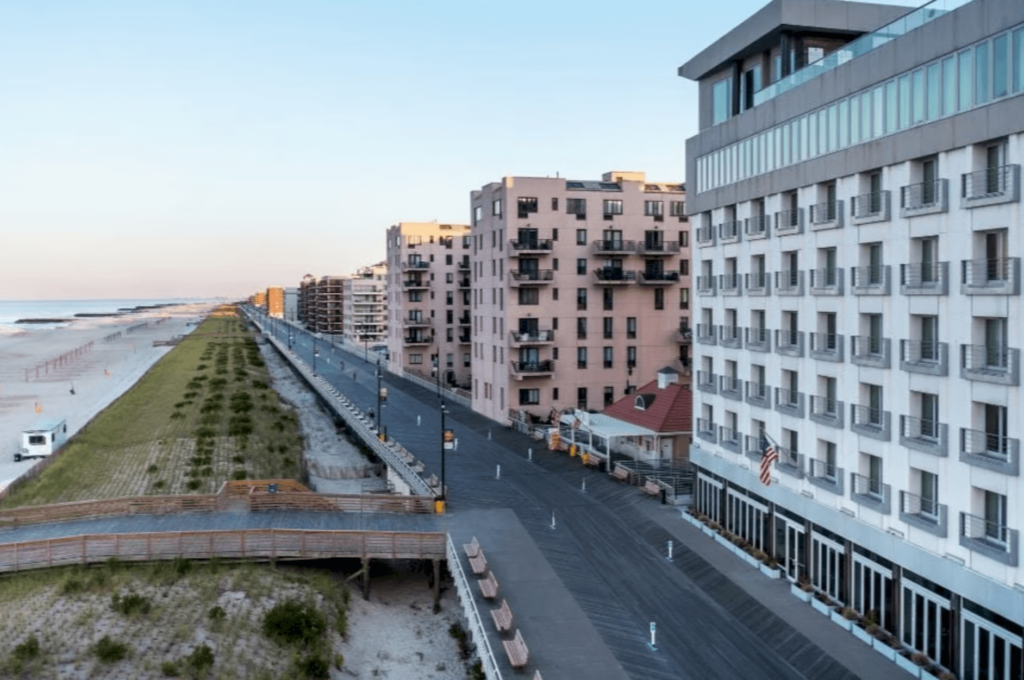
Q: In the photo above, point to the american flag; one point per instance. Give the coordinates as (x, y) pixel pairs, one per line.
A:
(768, 456)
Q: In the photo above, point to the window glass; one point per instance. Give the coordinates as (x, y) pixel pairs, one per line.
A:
(934, 91)
(904, 99)
(948, 86)
(877, 126)
(1018, 60)
(865, 116)
(855, 120)
(833, 127)
(999, 66)
(812, 135)
(822, 131)
(891, 107)
(720, 101)
(787, 149)
(981, 76)
(917, 97)
(965, 81)
(804, 145)
(844, 124)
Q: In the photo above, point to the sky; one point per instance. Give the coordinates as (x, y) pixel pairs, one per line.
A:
(201, 148)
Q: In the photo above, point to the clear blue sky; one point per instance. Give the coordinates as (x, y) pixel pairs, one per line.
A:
(213, 147)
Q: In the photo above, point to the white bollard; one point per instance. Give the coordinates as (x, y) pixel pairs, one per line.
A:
(418, 421)
(497, 475)
(529, 455)
(583, 488)
(670, 550)
(653, 629)
(488, 435)
(552, 519)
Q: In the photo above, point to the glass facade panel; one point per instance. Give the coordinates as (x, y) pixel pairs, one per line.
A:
(865, 116)
(1018, 59)
(918, 97)
(855, 120)
(891, 107)
(1000, 66)
(981, 76)
(721, 100)
(812, 135)
(823, 131)
(833, 127)
(844, 124)
(965, 80)
(934, 91)
(949, 86)
(903, 116)
(878, 106)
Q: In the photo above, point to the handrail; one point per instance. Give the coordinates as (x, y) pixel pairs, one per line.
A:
(476, 626)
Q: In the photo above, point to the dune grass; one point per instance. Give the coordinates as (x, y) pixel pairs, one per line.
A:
(204, 414)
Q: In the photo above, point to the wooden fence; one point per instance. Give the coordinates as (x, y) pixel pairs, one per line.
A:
(243, 544)
(259, 502)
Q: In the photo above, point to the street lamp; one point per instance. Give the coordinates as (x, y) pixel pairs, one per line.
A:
(316, 353)
(382, 397)
(447, 442)
(291, 337)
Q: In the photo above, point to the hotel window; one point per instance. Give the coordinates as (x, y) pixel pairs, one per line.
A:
(653, 208)
(677, 208)
(529, 296)
(684, 298)
(965, 80)
(631, 327)
(581, 265)
(581, 299)
(631, 357)
(496, 207)
(608, 324)
(581, 328)
(529, 397)
(659, 298)
(721, 97)
(1000, 66)
(612, 207)
(608, 355)
(581, 398)
(581, 357)
(684, 267)
(576, 206)
(609, 299)
(609, 395)
(415, 358)
(581, 237)
(981, 74)
(478, 213)
(684, 239)
(554, 203)
(526, 205)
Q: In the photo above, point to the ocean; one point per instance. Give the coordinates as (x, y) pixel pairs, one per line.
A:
(12, 310)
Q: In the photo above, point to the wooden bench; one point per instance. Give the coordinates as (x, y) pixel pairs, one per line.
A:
(479, 563)
(489, 586)
(621, 473)
(472, 549)
(518, 654)
(591, 460)
(651, 487)
(502, 617)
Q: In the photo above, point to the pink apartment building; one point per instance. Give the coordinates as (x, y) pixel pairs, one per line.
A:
(428, 300)
(580, 291)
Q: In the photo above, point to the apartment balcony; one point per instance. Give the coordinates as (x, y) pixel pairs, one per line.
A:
(729, 439)
(871, 280)
(925, 198)
(656, 278)
(663, 249)
(758, 283)
(707, 431)
(923, 513)
(757, 227)
(613, 276)
(464, 283)
(464, 264)
(924, 279)
(729, 232)
(790, 462)
(706, 382)
(706, 285)
(416, 322)
(924, 435)
(752, 447)
(827, 281)
(825, 411)
(729, 284)
(999, 276)
(827, 347)
(758, 394)
(789, 222)
(614, 247)
(991, 539)
(730, 387)
(464, 320)
(825, 475)
(789, 402)
(871, 207)
(789, 283)
(682, 334)
(416, 284)
(991, 451)
(870, 422)
(419, 265)
(871, 493)
(729, 337)
(827, 215)
(789, 343)
(539, 277)
(704, 236)
(929, 358)
(705, 334)
(531, 246)
(867, 350)
(522, 370)
(991, 364)
(539, 337)
(758, 339)
(418, 339)
(465, 339)
(990, 186)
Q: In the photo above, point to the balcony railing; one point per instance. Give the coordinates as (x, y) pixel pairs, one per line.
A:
(924, 198)
(706, 382)
(871, 493)
(992, 539)
(704, 236)
(990, 450)
(421, 264)
(924, 434)
(870, 422)
(790, 462)
(990, 363)
(614, 247)
(990, 186)
(827, 347)
(827, 411)
(729, 232)
(758, 339)
(705, 334)
(752, 447)
(928, 357)
(729, 336)
(730, 387)
(789, 222)
(826, 475)
(416, 321)
(871, 280)
(871, 207)
(998, 276)
(758, 283)
(533, 245)
(729, 284)
(827, 215)
(758, 394)
(789, 402)
(870, 350)
(758, 226)
(535, 368)
(418, 339)
(464, 283)
(464, 263)
(658, 278)
(789, 282)
(706, 430)
(614, 276)
(789, 343)
(538, 277)
(923, 513)
(706, 285)
(537, 337)
(416, 283)
(827, 281)
(924, 279)
(655, 249)
(729, 439)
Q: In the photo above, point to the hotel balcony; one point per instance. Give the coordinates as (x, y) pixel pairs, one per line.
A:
(706, 382)
(991, 539)
(464, 264)
(538, 277)
(532, 369)
(758, 394)
(926, 198)
(729, 232)
(531, 246)
(415, 266)
(416, 284)
(990, 186)
(920, 434)
(684, 333)
(656, 278)
(613, 276)
(870, 280)
(871, 493)
(752, 447)
(704, 236)
(418, 339)
(532, 338)
(416, 322)
(998, 276)
(924, 278)
(729, 439)
(465, 339)
(923, 513)
(757, 227)
(929, 358)
(729, 337)
(789, 283)
(663, 249)
(867, 350)
(789, 222)
(758, 283)
(729, 284)
(705, 334)
(789, 343)
(870, 422)
(991, 451)
(730, 387)
(707, 431)
(790, 462)
(464, 320)
(789, 402)
(871, 207)
(464, 282)
(614, 247)
(825, 475)
(827, 347)
(758, 339)
(706, 285)
(827, 215)
(991, 364)
(825, 411)
(828, 281)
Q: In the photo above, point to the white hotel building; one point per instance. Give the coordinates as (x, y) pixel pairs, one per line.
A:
(855, 196)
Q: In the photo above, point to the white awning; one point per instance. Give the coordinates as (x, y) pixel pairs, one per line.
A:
(606, 426)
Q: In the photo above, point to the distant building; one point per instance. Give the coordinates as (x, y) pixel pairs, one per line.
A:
(259, 299)
(307, 301)
(291, 304)
(329, 317)
(365, 305)
(275, 302)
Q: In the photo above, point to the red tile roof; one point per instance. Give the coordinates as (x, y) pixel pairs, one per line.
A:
(671, 410)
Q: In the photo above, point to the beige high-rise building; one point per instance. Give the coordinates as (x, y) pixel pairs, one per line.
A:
(364, 302)
(275, 301)
(329, 316)
(580, 291)
(428, 300)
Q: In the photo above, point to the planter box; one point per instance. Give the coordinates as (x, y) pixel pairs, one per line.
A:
(908, 665)
(820, 606)
(840, 620)
(722, 540)
(884, 649)
(693, 520)
(861, 634)
(750, 559)
(771, 572)
(925, 675)
(800, 594)
(707, 530)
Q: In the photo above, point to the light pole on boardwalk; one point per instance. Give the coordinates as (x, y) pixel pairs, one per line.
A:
(316, 353)
(382, 397)
(447, 442)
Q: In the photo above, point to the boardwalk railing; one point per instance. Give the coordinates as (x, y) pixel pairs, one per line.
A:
(248, 544)
(167, 505)
(476, 626)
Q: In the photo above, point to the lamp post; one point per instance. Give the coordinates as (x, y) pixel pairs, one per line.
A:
(382, 397)
(447, 440)
(316, 353)
(291, 337)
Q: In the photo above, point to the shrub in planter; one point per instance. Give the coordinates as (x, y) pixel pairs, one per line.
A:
(873, 629)
(850, 614)
(920, 659)
(760, 556)
(714, 526)
(805, 585)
